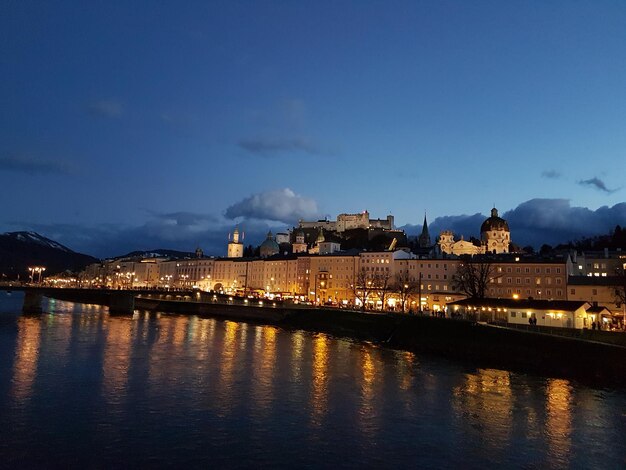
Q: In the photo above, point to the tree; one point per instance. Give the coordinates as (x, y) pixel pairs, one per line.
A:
(472, 277)
(619, 290)
(382, 284)
(404, 287)
(363, 286)
(546, 250)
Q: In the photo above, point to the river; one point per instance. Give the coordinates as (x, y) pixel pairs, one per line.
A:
(81, 388)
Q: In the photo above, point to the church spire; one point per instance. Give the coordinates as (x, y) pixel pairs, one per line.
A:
(424, 238)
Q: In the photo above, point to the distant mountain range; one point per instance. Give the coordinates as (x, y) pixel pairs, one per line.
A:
(21, 250)
(159, 253)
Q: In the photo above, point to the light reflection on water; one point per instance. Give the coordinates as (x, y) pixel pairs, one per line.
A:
(82, 387)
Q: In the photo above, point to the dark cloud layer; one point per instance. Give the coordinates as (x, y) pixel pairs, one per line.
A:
(32, 166)
(184, 232)
(533, 222)
(596, 183)
(537, 221)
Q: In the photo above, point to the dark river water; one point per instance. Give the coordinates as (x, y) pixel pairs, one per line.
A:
(80, 388)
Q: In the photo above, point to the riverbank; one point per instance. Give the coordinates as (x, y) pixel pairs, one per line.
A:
(476, 344)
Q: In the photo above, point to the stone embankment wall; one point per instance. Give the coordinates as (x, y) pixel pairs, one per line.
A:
(476, 344)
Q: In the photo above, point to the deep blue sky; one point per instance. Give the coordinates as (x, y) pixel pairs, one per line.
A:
(129, 124)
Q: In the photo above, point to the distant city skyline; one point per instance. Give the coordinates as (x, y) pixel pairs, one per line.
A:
(142, 126)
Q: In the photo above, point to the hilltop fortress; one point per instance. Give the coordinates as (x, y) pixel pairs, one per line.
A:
(349, 222)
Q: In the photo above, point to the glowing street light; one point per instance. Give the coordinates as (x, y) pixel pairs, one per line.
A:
(36, 271)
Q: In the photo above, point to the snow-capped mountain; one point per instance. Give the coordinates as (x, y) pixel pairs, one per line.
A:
(19, 250)
(33, 237)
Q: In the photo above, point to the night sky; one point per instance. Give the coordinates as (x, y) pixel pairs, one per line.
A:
(142, 125)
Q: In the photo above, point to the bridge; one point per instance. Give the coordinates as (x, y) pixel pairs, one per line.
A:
(119, 301)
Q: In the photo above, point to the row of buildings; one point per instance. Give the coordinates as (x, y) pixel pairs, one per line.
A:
(337, 277)
(318, 270)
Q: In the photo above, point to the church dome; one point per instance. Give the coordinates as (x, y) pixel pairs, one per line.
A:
(269, 247)
(494, 223)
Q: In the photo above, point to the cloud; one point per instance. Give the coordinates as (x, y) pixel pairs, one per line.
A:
(106, 108)
(281, 205)
(465, 225)
(33, 166)
(598, 184)
(551, 174)
(533, 222)
(270, 146)
(179, 231)
(555, 221)
(536, 222)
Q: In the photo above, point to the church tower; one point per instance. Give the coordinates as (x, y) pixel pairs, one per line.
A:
(446, 240)
(424, 239)
(235, 247)
(299, 246)
(495, 233)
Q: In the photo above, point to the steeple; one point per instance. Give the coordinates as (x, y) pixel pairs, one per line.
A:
(424, 238)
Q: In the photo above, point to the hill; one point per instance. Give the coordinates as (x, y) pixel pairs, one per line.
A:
(19, 250)
(158, 253)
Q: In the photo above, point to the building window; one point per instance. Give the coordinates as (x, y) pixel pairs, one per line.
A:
(594, 291)
(572, 291)
(513, 314)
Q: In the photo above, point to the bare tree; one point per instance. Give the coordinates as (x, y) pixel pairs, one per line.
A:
(472, 277)
(382, 284)
(404, 287)
(619, 290)
(363, 286)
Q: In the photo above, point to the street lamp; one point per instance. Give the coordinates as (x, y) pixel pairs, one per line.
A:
(36, 271)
